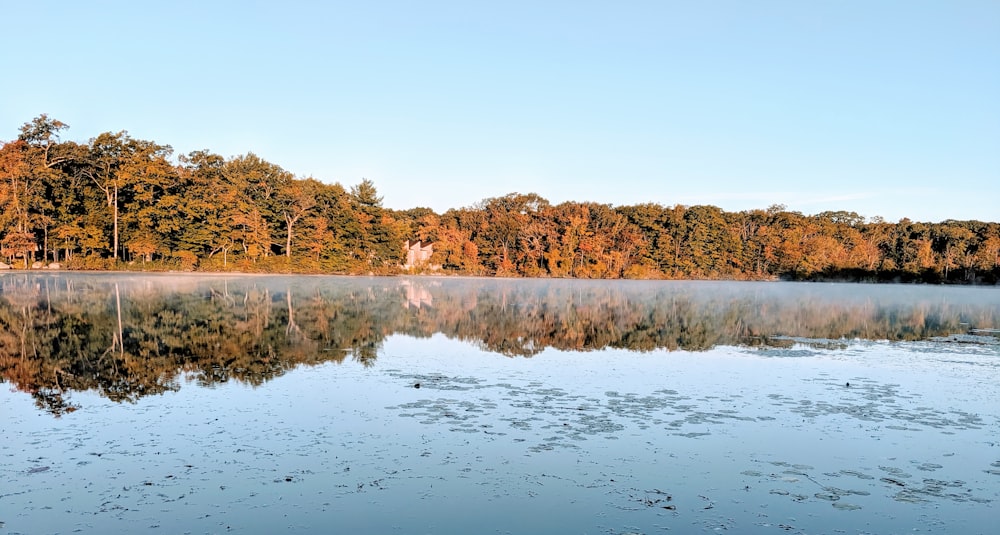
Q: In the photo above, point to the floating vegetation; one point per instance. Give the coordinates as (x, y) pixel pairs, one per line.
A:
(929, 467)
(894, 471)
(814, 343)
(654, 498)
(971, 338)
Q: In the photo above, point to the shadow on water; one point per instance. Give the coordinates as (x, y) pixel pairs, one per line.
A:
(129, 336)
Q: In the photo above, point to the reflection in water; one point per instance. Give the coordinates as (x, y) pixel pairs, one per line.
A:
(128, 336)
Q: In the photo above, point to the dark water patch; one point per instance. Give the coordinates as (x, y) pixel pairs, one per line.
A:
(778, 352)
(654, 498)
(814, 343)
(846, 492)
(795, 473)
(986, 332)
(895, 472)
(971, 339)
(928, 467)
(934, 489)
(437, 381)
(857, 474)
(693, 434)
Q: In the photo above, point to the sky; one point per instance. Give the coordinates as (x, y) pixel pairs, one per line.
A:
(884, 108)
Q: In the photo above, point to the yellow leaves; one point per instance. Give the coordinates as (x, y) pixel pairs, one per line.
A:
(254, 250)
(187, 259)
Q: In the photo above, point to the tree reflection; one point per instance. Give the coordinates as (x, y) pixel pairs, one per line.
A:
(126, 337)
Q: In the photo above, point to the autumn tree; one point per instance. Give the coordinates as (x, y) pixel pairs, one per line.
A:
(129, 172)
(296, 199)
(205, 209)
(504, 219)
(951, 242)
(256, 185)
(151, 217)
(17, 241)
(326, 227)
(117, 197)
(30, 168)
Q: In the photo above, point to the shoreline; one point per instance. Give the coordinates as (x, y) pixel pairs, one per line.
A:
(235, 274)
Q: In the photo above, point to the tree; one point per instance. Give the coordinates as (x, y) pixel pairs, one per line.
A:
(951, 243)
(29, 169)
(365, 194)
(116, 161)
(106, 154)
(207, 227)
(42, 134)
(706, 239)
(988, 253)
(14, 170)
(651, 221)
(256, 208)
(453, 245)
(328, 227)
(374, 234)
(297, 198)
(505, 219)
(151, 218)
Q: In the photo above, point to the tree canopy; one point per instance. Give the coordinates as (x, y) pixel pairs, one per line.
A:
(117, 202)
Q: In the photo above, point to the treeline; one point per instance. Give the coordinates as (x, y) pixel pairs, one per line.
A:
(117, 202)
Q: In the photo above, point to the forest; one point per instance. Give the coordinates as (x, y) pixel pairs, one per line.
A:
(120, 203)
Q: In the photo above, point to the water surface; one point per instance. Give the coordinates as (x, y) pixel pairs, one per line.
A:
(263, 404)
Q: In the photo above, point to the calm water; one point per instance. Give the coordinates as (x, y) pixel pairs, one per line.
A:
(320, 404)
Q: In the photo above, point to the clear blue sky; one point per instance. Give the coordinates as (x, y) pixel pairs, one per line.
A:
(886, 108)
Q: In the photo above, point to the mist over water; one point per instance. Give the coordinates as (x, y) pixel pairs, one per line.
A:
(437, 405)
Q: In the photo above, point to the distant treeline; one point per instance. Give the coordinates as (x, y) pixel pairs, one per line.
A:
(117, 202)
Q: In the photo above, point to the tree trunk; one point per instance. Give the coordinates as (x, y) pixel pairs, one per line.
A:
(289, 222)
(115, 253)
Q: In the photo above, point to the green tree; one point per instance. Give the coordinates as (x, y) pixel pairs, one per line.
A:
(376, 238)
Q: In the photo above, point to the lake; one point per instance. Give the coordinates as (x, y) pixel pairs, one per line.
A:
(251, 404)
